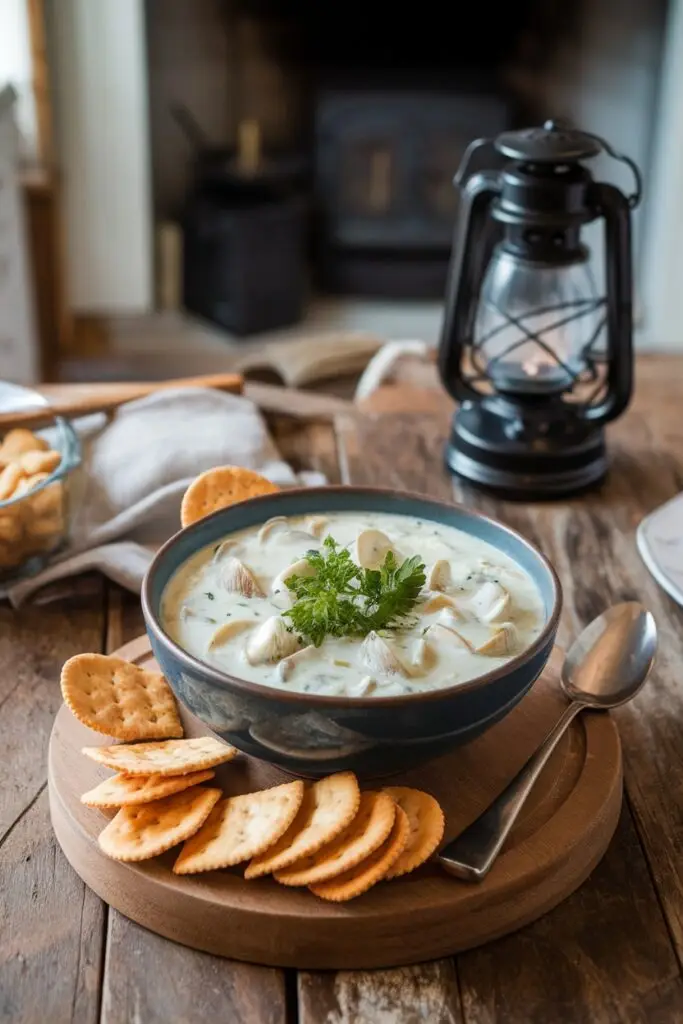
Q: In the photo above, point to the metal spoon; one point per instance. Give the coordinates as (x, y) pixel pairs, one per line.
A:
(605, 667)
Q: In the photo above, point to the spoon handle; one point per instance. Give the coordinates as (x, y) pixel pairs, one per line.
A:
(472, 854)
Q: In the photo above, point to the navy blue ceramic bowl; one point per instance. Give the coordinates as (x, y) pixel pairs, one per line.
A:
(314, 735)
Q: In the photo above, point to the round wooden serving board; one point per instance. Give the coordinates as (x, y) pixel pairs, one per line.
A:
(562, 835)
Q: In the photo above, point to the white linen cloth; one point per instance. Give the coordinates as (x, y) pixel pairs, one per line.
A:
(126, 495)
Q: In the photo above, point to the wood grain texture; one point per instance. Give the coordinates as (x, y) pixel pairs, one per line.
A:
(423, 994)
(51, 937)
(307, 446)
(33, 647)
(80, 399)
(50, 923)
(149, 979)
(602, 956)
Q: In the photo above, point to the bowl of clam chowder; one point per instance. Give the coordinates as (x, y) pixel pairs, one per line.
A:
(349, 628)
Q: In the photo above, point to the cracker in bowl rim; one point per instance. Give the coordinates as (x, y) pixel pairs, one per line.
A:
(235, 483)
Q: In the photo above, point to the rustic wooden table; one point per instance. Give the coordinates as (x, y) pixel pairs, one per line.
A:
(611, 952)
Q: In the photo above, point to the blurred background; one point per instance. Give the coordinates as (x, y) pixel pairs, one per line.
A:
(188, 185)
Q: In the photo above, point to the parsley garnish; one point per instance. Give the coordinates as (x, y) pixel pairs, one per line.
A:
(342, 599)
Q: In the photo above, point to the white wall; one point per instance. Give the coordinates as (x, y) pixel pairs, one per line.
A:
(662, 263)
(100, 79)
(608, 83)
(15, 70)
(19, 357)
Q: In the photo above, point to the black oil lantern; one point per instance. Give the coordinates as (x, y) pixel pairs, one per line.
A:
(539, 357)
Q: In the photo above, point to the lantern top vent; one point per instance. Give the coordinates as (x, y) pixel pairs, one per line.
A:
(552, 144)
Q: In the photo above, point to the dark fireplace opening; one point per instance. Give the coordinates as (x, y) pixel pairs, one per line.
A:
(394, 99)
(363, 115)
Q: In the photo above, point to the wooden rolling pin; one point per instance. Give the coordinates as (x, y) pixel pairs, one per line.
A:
(78, 399)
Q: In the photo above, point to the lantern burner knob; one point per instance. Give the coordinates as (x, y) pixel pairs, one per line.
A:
(551, 144)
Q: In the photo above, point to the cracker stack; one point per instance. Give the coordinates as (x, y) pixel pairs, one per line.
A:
(326, 835)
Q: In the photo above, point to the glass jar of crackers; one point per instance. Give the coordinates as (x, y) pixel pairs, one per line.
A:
(36, 463)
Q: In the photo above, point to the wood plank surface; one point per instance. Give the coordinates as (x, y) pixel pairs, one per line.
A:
(307, 446)
(604, 955)
(147, 978)
(634, 973)
(150, 979)
(50, 924)
(611, 952)
(51, 928)
(423, 994)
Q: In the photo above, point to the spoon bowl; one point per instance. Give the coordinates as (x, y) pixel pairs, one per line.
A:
(611, 659)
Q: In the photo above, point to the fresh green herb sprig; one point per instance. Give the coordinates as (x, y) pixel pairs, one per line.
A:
(342, 599)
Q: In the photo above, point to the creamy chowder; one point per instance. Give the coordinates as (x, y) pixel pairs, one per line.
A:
(475, 611)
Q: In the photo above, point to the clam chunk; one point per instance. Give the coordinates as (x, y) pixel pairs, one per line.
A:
(371, 548)
(316, 525)
(441, 633)
(274, 525)
(223, 548)
(363, 687)
(228, 631)
(236, 578)
(378, 657)
(503, 641)
(287, 665)
(450, 618)
(279, 527)
(271, 642)
(491, 602)
(300, 568)
(439, 575)
(422, 657)
(436, 602)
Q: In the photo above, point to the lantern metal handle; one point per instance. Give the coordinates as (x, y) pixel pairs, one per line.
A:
(477, 195)
(616, 211)
(634, 199)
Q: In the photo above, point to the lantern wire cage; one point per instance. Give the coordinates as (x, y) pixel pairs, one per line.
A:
(506, 337)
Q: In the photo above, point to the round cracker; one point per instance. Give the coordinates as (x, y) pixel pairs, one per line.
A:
(219, 488)
(368, 830)
(129, 790)
(241, 827)
(328, 806)
(371, 870)
(169, 757)
(116, 698)
(427, 825)
(138, 833)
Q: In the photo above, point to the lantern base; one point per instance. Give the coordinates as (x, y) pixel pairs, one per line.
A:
(480, 451)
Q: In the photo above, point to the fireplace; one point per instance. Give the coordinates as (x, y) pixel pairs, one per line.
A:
(376, 111)
(384, 196)
(391, 107)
